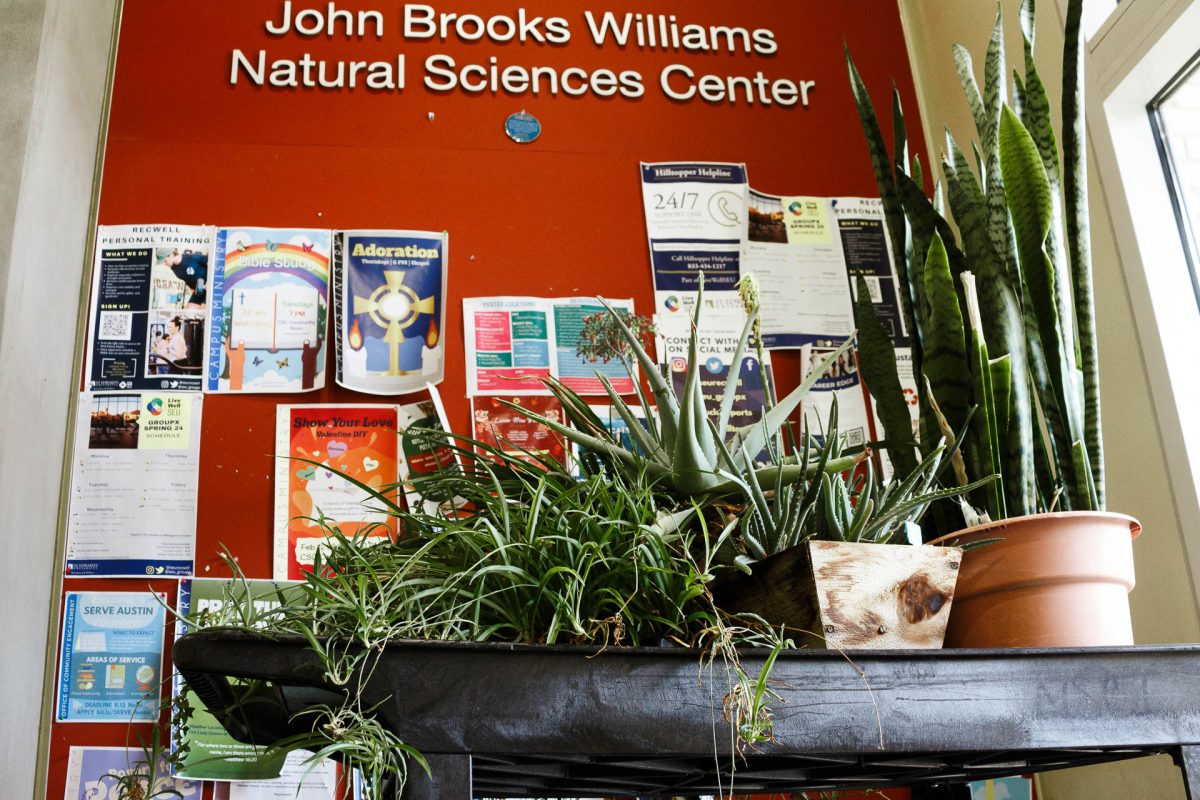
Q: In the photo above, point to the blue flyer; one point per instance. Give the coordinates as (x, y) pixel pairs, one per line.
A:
(111, 663)
(389, 290)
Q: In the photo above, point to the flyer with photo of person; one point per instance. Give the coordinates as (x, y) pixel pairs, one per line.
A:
(134, 473)
(269, 310)
(389, 292)
(148, 307)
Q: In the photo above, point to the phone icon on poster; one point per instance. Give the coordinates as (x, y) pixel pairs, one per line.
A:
(725, 208)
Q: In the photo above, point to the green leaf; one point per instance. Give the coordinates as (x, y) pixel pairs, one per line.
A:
(882, 165)
(753, 436)
(877, 364)
(985, 435)
(1078, 237)
(945, 348)
(965, 66)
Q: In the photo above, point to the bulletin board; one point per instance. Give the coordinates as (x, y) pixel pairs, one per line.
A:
(192, 139)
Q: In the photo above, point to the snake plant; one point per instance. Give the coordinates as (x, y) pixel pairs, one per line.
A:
(1002, 312)
(680, 445)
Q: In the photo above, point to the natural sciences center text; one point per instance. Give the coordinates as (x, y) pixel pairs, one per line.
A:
(624, 32)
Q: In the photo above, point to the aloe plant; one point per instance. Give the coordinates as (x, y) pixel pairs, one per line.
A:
(1002, 312)
(680, 445)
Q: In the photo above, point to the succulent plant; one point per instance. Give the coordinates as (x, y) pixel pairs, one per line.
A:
(680, 445)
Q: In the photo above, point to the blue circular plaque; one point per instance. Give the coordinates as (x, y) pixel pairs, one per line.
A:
(522, 127)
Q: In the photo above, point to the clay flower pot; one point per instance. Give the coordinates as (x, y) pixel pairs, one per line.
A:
(1053, 580)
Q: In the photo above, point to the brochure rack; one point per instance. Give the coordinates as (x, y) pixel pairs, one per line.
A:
(535, 721)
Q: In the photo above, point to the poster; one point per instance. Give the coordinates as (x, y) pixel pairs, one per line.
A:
(148, 307)
(865, 243)
(717, 345)
(134, 472)
(212, 754)
(695, 222)
(508, 345)
(841, 381)
(514, 434)
(110, 666)
(863, 230)
(793, 248)
(358, 441)
(269, 310)
(577, 372)
(425, 454)
(515, 342)
(389, 289)
(93, 772)
(296, 782)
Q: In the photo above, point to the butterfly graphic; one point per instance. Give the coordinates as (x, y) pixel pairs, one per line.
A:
(272, 246)
(256, 361)
(308, 247)
(281, 364)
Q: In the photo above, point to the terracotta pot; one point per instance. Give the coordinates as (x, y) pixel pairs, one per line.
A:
(1053, 580)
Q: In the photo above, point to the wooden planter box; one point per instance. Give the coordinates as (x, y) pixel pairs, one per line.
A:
(846, 595)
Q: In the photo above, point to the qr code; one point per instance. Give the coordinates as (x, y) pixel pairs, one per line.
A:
(855, 437)
(116, 325)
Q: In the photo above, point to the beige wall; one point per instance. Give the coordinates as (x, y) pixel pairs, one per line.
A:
(1164, 606)
(54, 63)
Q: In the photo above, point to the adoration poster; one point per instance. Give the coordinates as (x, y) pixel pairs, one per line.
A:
(267, 329)
(318, 447)
(389, 288)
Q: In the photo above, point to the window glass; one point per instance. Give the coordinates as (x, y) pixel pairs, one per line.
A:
(1176, 116)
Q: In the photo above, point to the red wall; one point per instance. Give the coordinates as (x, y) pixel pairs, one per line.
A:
(559, 216)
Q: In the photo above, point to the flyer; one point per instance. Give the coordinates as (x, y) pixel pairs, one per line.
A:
(110, 666)
(616, 427)
(268, 320)
(315, 445)
(134, 472)
(841, 381)
(296, 782)
(717, 345)
(513, 343)
(514, 434)
(93, 772)
(148, 307)
(865, 243)
(792, 247)
(508, 345)
(389, 291)
(426, 453)
(210, 752)
(863, 230)
(575, 371)
(695, 223)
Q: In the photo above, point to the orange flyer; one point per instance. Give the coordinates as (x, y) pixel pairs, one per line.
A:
(317, 448)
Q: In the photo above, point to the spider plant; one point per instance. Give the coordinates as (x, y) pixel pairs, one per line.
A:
(544, 558)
